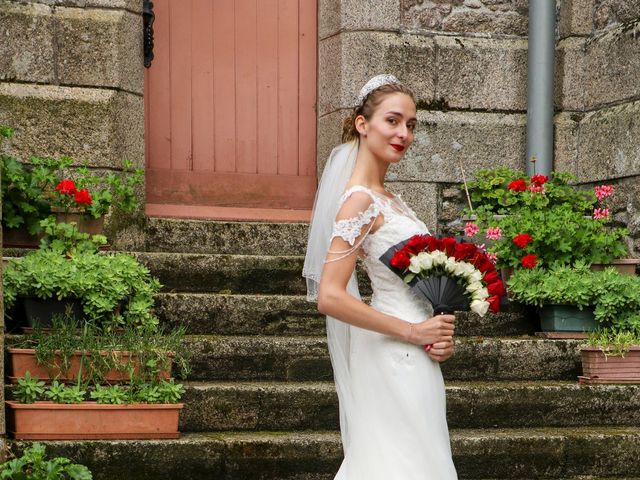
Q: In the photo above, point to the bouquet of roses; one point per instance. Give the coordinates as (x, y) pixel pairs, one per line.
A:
(451, 275)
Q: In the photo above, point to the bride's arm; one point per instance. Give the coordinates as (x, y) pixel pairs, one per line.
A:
(335, 301)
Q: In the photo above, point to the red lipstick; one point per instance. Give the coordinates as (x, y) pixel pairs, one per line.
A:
(398, 147)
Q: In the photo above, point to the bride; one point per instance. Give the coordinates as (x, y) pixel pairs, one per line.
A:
(390, 388)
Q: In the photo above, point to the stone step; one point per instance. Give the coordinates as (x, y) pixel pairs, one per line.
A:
(277, 406)
(246, 314)
(189, 272)
(306, 358)
(496, 453)
(220, 237)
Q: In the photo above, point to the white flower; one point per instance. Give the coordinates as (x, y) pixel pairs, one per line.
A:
(450, 265)
(476, 276)
(474, 287)
(439, 257)
(480, 294)
(467, 268)
(480, 307)
(426, 260)
(414, 265)
(460, 269)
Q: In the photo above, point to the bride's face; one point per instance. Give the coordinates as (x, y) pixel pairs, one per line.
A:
(389, 132)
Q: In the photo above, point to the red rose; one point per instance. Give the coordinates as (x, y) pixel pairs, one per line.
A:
(539, 179)
(485, 266)
(490, 277)
(400, 260)
(434, 244)
(522, 239)
(464, 251)
(494, 303)
(529, 261)
(449, 245)
(66, 187)
(83, 197)
(517, 185)
(496, 288)
(416, 244)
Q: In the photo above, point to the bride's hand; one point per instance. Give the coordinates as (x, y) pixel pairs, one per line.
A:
(435, 329)
(441, 351)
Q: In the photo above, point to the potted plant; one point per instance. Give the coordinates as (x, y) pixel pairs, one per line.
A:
(564, 296)
(114, 289)
(612, 355)
(35, 190)
(33, 465)
(103, 356)
(542, 221)
(139, 411)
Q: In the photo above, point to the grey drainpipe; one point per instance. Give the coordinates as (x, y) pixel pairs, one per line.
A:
(540, 75)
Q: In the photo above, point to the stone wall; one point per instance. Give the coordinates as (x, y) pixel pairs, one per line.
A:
(466, 61)
(71, 81)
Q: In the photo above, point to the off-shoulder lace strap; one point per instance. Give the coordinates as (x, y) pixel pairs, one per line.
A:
(349, 229)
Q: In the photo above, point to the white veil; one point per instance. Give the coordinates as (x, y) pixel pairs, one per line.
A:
(332, 185)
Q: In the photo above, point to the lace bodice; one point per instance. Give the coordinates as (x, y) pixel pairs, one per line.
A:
(390, 294)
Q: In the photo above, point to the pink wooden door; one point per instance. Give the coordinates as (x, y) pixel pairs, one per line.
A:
(230, 109)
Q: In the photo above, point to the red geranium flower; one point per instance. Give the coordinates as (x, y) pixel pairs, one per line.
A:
(529, 261)
(517, 185)
(83, 197)
(539, 179)
(66, 187)
(522, 239)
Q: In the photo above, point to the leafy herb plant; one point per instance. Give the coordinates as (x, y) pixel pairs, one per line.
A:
(33, 465)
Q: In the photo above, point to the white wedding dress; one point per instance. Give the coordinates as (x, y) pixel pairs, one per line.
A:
(395, 427)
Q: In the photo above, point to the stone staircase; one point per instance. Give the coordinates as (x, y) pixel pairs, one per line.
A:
(260, 402)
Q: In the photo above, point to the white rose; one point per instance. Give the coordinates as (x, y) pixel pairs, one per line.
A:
(467, 268)
(481, 294)
(460, 269)
(480, 307)
(476, 276)
(450, 265)
(439, 257)
(414, 265)
(426, 260)
(474, 287)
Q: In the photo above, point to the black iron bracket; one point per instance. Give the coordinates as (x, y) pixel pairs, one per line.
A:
(148, 18)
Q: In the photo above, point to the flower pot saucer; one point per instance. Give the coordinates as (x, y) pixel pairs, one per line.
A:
(606, 381)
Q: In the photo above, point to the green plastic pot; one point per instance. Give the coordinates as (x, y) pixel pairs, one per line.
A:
(567, 318)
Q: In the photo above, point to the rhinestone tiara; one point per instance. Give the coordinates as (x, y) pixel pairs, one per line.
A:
(375, 83)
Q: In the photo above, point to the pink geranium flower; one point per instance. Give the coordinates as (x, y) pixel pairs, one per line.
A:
(471, 229)
(494, 233)
(601, 213)
(604, 191)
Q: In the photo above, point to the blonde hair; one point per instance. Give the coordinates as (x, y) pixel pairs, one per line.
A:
(369, 106)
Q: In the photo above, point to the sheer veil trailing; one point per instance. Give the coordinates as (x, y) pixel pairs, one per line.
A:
(332, 185)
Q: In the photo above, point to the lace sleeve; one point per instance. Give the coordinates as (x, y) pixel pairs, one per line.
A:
(353, 223)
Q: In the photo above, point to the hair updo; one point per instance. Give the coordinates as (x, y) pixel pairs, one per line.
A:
(369, 106)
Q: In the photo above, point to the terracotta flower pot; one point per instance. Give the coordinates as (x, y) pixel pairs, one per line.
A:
(626, 266)
(84, 223)
(90, 420)
(22, 360)
(19, 238)
(598, 368)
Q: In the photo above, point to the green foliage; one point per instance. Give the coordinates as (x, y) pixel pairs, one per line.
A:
(113, 394)
(101, 282)
(65, 237)
(60, 393)
(616, 297)
(560, 285)
(169, 391)
(614, 342)
(490, 195)
(33, 465)
(560, 234)
(29, 389)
